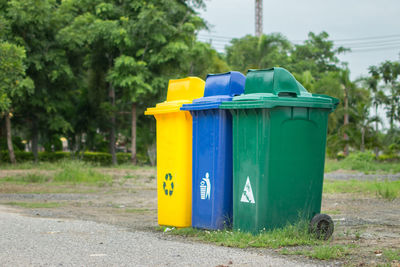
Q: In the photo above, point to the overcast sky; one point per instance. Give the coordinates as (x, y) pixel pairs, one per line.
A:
(374, 25)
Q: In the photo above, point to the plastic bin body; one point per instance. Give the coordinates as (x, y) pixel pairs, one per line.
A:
(174, 152)
(212, 152)
(279, 141)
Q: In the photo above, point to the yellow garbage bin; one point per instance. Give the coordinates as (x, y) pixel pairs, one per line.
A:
(174, 152)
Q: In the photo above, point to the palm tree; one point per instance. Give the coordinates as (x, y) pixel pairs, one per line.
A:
(362, 121)
(378, 97)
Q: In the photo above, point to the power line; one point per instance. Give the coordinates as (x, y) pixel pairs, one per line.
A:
(367, 44)
(369, 38)
(372, 38)
(397, 47)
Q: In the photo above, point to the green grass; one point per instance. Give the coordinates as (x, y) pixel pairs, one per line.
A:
(29, 178)
(323, 252)
(136, 210)
(332, 212)
(129, 176)
(31, 165)
(362, 166)
(388, 190)
(292, 235)
(392, 255)
(67, 172)
(44, 165)
(81, 173)
(34, 205)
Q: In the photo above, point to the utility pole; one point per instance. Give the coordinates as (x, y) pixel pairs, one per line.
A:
(259, 17)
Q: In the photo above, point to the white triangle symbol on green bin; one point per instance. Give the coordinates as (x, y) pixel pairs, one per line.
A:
(247, 195)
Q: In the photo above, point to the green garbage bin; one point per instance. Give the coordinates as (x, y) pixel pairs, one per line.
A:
(279, 139)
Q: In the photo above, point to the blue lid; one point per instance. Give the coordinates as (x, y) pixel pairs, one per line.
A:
(219, 88)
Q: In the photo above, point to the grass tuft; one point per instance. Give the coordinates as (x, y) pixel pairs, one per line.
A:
(291, 235)
(392, 255)
(324, 252)
(29, 178)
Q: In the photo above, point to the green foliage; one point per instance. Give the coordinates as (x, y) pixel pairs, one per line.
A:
(361, 157)
(13, 83)
(78, 55)
(316, 55)
(389, 157)
(251, 52)
(16, 141)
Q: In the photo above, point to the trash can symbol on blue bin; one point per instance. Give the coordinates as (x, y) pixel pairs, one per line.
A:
(212, 151)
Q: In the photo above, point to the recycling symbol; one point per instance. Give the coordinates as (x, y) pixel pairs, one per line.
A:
(168, 185)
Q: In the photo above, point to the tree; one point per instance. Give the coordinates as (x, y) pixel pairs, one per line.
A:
(33, 25)
(133, 47)
(13, 84)
(362, 121)
(389, 73)
(317, 55)
(251, 52)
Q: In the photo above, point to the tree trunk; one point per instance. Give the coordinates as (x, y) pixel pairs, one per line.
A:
(133, 142)
(9, 139)
(362, 148)
(392, 107)
(346, 120)
(112, 129)
(35, 138)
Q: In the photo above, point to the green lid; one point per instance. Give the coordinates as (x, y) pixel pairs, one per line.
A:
(274, 87)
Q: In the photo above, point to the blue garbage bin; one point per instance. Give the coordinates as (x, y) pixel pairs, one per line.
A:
(212, 151)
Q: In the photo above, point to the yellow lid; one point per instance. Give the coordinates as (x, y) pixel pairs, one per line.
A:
(180, 91)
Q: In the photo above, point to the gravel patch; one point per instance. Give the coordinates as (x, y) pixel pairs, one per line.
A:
(338, 175)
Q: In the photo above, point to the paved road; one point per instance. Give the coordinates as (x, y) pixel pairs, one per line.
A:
(34, 241)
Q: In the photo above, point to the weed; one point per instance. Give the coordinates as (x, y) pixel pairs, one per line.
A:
(386, 191)
(34, 205)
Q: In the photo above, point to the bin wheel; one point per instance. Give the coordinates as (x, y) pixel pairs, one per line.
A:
(322, 226)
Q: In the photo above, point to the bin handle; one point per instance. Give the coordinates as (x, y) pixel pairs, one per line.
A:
(287, 94)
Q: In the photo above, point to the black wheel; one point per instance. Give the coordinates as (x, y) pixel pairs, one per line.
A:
(322, 226)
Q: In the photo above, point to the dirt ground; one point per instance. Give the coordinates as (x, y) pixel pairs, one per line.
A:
(370, 223)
